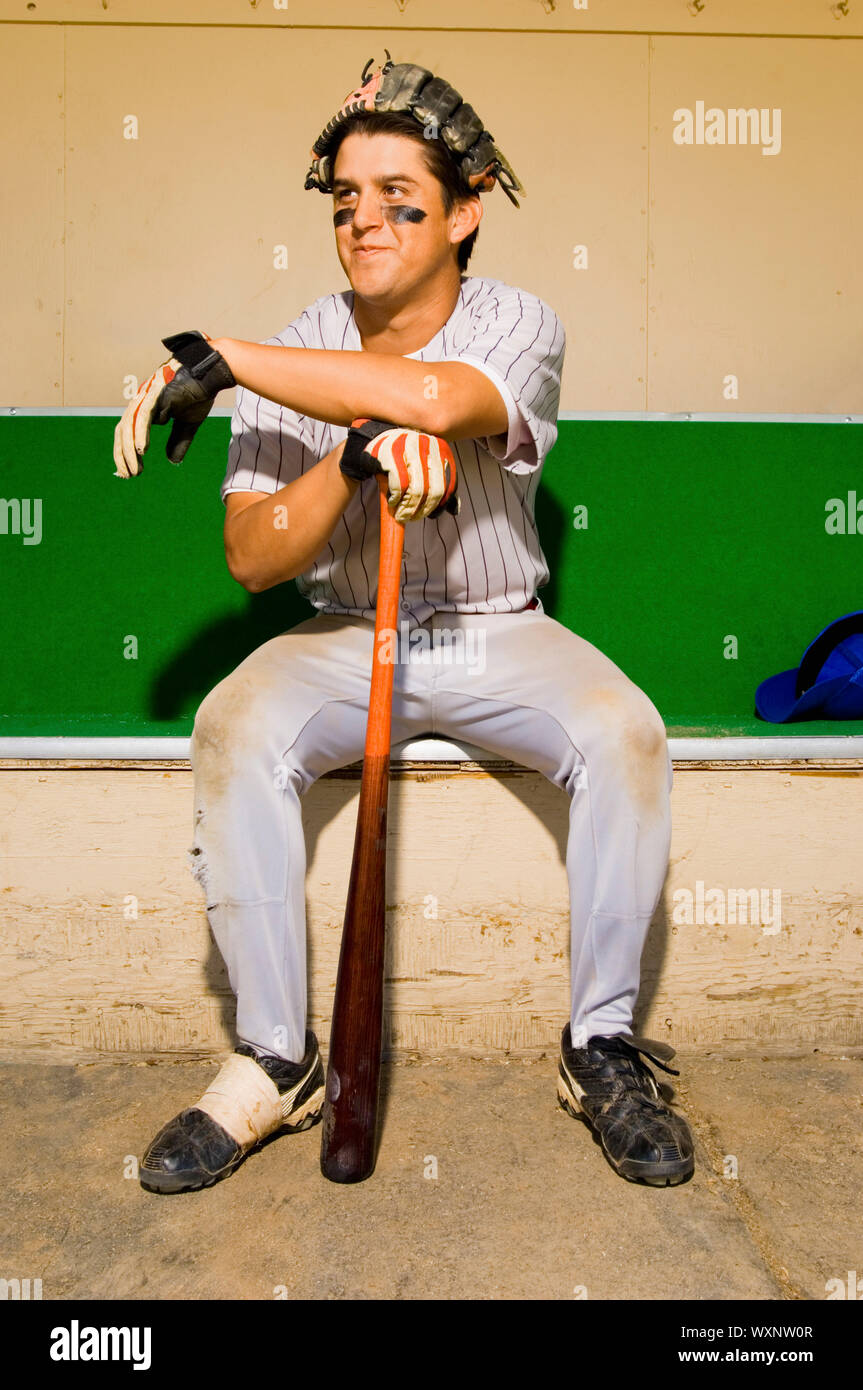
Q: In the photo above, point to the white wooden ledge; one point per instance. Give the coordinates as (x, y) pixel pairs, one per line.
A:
(729, 749)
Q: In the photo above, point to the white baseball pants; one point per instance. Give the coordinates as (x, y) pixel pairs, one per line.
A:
(521, 685)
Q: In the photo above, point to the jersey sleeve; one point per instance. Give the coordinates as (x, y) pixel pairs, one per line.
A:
(270, 444)
(519, 342)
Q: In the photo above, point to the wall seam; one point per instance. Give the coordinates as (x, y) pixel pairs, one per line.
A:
(65, 232)
(480, 31)
(648, 226)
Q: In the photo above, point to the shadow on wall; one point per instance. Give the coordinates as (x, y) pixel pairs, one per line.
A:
(219, 647)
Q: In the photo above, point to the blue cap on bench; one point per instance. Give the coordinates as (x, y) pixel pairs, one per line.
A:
(828, 683)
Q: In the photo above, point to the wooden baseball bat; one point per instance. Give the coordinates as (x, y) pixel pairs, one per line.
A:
(350, 1109)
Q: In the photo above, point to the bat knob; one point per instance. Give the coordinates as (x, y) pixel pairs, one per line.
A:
(345, 1165)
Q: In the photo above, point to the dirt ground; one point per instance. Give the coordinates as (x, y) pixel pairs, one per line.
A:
(484, 1189)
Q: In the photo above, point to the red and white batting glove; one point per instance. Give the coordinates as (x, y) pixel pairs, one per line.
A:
(420, 468)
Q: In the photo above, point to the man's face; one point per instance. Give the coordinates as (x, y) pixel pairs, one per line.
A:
(391, 230)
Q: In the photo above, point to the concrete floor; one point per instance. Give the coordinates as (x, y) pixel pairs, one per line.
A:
(523, 1206)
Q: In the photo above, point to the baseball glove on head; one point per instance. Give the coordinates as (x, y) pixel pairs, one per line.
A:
(431, 101)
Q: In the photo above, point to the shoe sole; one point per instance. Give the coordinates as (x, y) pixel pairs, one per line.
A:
(304, 1117)
(653, 1174)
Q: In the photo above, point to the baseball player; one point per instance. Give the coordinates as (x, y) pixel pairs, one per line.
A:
(457, 379)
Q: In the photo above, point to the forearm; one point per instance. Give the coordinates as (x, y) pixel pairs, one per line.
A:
(278, 537)
(338, 387)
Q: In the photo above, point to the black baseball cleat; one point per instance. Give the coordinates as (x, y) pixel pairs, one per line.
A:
(258, 1096)
(609, 1085)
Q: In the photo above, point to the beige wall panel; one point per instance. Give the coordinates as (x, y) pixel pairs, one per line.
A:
(31, 231)
(397, 16)
(581, 151)
(755, 267)
(488, 973)
(176, 229)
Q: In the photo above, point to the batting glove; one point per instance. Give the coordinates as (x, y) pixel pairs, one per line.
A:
(182, 390)
(420, 468)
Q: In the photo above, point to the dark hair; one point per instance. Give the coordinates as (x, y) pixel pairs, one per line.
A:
(438, 160)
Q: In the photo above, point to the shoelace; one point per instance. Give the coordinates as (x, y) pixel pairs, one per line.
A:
(637, 1045)
(632, 1078)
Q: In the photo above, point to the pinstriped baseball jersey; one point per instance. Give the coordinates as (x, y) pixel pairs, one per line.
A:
(488, 559)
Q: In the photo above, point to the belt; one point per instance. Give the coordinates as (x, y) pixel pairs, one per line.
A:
(534, 603)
